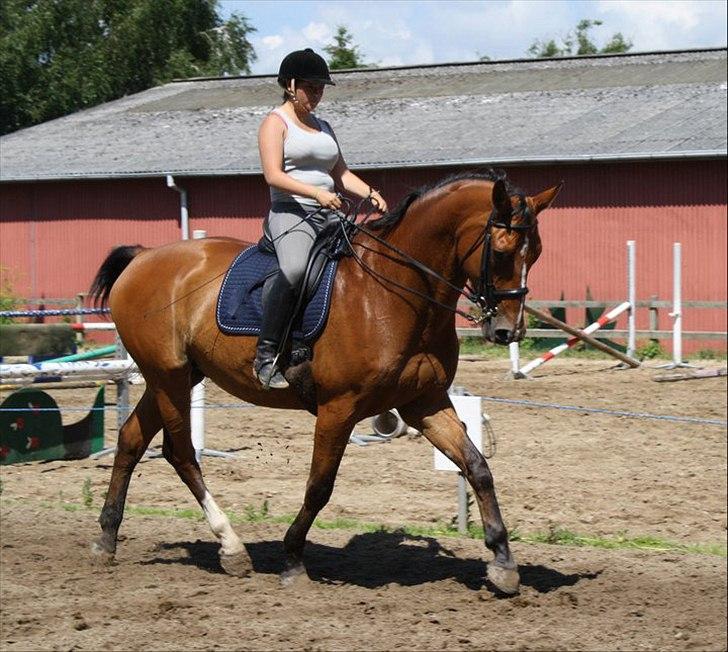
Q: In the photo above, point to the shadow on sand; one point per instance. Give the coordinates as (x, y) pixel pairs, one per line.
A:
(370, 560)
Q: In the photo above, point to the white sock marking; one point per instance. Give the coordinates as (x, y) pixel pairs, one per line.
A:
(221, 527)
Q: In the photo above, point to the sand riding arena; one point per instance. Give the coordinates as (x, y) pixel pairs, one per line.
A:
(619, 527)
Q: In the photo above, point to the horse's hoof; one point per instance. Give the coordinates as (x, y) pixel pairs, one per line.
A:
(101, 555)
(506, 580)
(238, 564)
(295, 574)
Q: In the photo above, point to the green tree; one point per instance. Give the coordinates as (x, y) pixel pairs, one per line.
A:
(579, 43)
(343, 53)
(59, 56)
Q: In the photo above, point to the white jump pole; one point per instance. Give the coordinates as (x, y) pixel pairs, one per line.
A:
(676, 314)
(549, 355)
(93, 326)
(514, 352)
(87, 369)
(122, 386)
(632, 298)
(197, 419)
(197, 405)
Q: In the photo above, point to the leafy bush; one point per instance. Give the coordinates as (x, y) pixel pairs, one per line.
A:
(8, 300)
(710, 354)
(650, 350)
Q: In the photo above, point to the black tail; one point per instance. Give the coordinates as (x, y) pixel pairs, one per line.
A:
(110, 270)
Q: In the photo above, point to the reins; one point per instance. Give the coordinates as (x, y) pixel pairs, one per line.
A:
(484, 295)
(345, 220)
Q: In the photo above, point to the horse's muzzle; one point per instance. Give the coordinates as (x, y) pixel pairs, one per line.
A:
(501, 331)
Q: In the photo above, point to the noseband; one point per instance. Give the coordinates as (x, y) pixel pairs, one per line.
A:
(485, 295)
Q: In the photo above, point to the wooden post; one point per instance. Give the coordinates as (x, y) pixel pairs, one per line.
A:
(550, 319)
(654, 322)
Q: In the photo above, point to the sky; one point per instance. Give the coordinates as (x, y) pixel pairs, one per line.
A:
(410, 32)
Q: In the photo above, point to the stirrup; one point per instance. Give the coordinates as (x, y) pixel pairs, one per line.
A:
(270, 376)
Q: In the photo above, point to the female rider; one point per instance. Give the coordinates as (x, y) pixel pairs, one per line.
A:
(303, 165)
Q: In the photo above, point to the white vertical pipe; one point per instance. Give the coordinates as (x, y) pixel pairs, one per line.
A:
(514, 352)
(197, 402)
(632, 298)
(184, 216)
(122, 387)
(676, 313)
(197, 419)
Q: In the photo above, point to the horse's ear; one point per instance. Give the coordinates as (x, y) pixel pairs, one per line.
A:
(544, 199)
(501, 200)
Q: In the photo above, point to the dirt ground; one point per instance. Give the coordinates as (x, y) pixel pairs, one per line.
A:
(593, 474)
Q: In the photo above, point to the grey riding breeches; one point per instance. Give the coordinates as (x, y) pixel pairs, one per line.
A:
(293, 229)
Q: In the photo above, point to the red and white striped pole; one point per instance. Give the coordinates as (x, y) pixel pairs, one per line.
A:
(604, 319)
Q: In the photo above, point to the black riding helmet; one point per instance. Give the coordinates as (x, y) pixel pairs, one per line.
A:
(305, 65)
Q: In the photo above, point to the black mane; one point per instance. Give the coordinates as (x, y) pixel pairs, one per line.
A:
(393, 217)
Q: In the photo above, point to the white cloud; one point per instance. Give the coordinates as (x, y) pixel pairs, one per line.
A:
(677, 24)
(317, 33)
(676, 12)
(396, 33)
(271, 48)
(272, 42)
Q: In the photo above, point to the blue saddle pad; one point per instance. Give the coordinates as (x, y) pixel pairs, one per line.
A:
(239, 304)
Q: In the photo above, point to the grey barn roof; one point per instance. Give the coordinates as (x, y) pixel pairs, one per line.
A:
(655, 105)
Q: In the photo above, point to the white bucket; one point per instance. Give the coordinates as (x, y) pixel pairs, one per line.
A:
(389, 424)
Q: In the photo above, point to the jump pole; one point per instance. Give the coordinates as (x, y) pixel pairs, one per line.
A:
(676, 314)
(122, 396)
(632, 298)
(103, 369)
(514, 350)
(514, 353)
(92, 326)
(87, 355)
(578, 335)
(197, 406)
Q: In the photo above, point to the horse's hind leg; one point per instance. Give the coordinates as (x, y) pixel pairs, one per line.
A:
(174, 405)
(134, 437)
(437, 420)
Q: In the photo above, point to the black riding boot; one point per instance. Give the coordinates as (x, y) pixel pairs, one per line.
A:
(277, 313)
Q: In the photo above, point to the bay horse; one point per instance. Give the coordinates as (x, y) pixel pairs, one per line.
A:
(389, 342)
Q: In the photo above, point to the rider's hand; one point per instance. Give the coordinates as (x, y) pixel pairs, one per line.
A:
(328, 199)
(378, 201)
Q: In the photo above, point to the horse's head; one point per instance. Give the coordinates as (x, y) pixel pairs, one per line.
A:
(497, 256)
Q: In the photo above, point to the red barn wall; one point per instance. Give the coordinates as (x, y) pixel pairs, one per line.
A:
(53, 235)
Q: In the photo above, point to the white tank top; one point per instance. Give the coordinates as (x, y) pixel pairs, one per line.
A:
(308, 157)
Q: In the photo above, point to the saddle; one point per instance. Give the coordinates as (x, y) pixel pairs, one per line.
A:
(247, 281)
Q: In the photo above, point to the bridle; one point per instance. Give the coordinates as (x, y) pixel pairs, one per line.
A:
(485, 295)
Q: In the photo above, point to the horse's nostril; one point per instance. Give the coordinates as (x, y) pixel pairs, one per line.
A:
(502, 335)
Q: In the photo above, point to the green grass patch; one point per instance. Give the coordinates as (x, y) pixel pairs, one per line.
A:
(646, 350)
(87, 494)
(554, 536)
(562, 537)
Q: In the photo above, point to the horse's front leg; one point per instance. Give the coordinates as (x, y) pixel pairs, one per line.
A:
(333, 427)
(436, 418)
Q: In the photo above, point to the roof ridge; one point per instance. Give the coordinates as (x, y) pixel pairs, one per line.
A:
(452, 64)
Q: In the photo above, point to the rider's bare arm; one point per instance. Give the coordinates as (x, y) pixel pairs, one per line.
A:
(344, 178)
